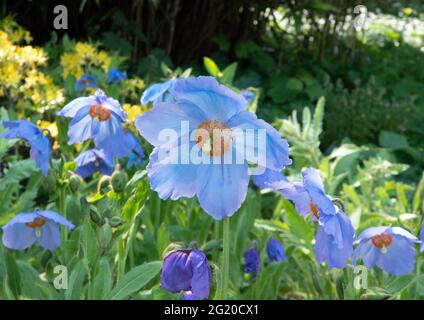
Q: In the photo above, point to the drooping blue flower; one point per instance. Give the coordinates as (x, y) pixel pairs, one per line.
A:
(86, 81)
(271, 179)
(248, 95)
(116, 76)
(422, 238)
(158, 92)
(121, 145)
(92, 161)
(390, 248)
(275, 251)
(220, 179)
(309, 196)
(97, 117)
(334, 240)
(40, 144)
(187, 271)
(251, 261)
(24, 229)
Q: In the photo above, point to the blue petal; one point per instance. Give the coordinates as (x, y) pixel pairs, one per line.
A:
(370, 232)
(72, 108)
(176, 272)
(368, 252)
(116, 76)
(201, 278)
(274, 148)
(422, 238)
(275, 251)
(21, 218)
(80, 128)
(51, 215)
(121, 145)
(155, 92)
(270, 179)
(49, 236)
(171, 180)
(313, 184)
(216, 100)
(107, 130)
(18, 236)
(168, 116)
(295, 191)
(251, 261)
(338, 227)
(221, 188)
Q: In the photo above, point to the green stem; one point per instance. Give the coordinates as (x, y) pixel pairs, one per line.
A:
(225, 272)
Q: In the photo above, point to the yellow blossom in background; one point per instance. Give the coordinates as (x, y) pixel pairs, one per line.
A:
(133, 111)
(50, 126)
(83, 56)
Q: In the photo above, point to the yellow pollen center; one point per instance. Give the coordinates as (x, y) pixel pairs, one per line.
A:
(36, 223)
(99, 112)
(213, 137)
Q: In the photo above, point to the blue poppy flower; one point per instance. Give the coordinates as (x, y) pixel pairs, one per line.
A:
(121, 145)
(275, 251)
(40, 144)
(251, 261)
(334, 240)
(97, 117)
(309, 195)
(248, 95)
(390, 248)
(86, 81)
(92, 161)
(116, 76)
(188, 271)
(219, 181)
(24, 229)
(422, 239)
(159, 92)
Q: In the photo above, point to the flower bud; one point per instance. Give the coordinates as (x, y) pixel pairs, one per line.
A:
(96, 216)
(49, 183)
(105, 236)
(75, 182)
(115, 221)
(103, 185)
(119, 181)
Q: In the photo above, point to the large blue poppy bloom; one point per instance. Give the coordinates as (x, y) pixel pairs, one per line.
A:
(92, 161)
(24, 229)
(188, 271)
(275, 251)
(334, 240)
(205, 106)
(116, 76)
(86, 81)
(97, 117)
(390, 248)
(40, 144)
(158, 92)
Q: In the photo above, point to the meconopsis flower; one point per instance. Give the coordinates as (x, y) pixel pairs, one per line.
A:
(40, 144)
(203, 152)
(122, 145)
(158, 92)
(335, 234)
(86, 81)
(390, 248)
(116, 76)
(422, 238)
(92, 161)
(25, 229)
(97, 117)
(187, 271)
(275, 251)
(251, 261)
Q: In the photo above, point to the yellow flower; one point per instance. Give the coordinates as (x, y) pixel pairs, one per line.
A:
(133, 111)
(51, 126)
(85, 50)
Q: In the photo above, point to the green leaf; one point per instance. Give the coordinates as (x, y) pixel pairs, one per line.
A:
(18, 171)
(135, 280)
(76, 281)
(229, 73)
(13, 275)
(102, 283)
(392, 140)
(211, 67)
(89, 242)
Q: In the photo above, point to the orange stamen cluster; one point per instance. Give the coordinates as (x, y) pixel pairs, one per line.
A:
(382, 240)
(36, 223)
(213, 137)
(314, 209)
(99, 112)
